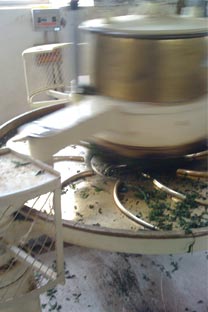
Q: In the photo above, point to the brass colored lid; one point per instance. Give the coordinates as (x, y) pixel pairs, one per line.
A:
(149, 26)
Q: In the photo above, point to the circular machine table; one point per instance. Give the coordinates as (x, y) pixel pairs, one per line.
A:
(90, 215)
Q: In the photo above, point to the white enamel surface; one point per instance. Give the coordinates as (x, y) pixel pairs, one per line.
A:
(16, 178)
(21, 180)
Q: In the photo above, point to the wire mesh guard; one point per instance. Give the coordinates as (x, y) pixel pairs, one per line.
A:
(23, 184)
(47, 74)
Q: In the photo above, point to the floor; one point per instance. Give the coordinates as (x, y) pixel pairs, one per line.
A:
(99, 281)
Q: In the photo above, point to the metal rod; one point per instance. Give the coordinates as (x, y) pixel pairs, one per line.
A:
(192, 173)
(127, 212)
(30, 261)
(197, 156)
(80, 175)
(68, 158)
(75, 58)
(158, 185)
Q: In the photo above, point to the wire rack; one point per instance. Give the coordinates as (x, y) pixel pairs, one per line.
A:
(23, 184)
(47, 77)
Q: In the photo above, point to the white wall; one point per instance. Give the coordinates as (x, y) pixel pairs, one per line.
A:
(16, 34)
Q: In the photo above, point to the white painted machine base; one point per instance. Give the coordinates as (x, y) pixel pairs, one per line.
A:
(145, 125)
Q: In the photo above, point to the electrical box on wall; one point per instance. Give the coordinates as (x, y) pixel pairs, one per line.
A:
(46, 19)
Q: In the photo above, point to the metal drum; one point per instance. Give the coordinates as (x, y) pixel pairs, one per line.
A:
(145, 58)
